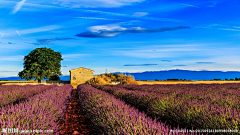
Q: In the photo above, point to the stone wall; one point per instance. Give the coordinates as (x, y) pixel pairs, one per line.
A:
(80, 75)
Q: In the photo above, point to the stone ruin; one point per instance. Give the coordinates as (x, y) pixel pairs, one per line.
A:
(80, 75)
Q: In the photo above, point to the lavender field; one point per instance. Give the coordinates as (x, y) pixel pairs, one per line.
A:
(13, 93)
(114, 117)
(125, 109)
(197, 106)
(43, 111)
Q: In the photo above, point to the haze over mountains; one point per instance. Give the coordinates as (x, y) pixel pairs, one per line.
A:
(167, 74)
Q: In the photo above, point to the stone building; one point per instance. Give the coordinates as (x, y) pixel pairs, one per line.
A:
(80, 75)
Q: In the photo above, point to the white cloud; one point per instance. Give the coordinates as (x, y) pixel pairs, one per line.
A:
(112, 30)
(17, 7)
(95, 3)
(140, 14)
(109, 27)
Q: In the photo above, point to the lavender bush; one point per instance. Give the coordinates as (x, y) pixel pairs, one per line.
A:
(40, 112)
(112, 116)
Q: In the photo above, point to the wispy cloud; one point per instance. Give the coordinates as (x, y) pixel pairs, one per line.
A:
(203, 4)
(166, 60)
(9, 71)
(26, 4)
(95, 18)
(139, 14)
(179, 65)
(18, 33)
(73, 57)
(17, 7)
(96, 3)
(41, 43)
(40, 29)
(129, 15)
(45, 40)
(232, 29)
(65, 38)
(48, 40)
(12, 58)
(113, 31)
(189, 5)
(205, 62)
(163, 52)
(140, 64)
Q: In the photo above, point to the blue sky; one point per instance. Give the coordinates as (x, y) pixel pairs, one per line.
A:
(122, 35)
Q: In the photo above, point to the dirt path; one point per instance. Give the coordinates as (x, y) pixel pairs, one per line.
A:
(76, 123)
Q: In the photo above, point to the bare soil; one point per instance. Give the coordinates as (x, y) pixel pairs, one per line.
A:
(75, 123)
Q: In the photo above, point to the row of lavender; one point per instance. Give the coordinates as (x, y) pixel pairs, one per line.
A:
(43, 111)
(10, 87)
(226, 95)
(179, 111)
(12, 93)
(113, 116)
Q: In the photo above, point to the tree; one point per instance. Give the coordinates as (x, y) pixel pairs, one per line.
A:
(54, 78)
(41, 63)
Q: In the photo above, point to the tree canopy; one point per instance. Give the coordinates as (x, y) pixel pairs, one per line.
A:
(54, 78)
(41, 63)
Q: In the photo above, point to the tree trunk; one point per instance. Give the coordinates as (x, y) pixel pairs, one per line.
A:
(39, 80)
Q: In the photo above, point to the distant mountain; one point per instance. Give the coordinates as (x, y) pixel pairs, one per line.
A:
(164, 75)
(184, 74)
(64, 78)
(12, 79)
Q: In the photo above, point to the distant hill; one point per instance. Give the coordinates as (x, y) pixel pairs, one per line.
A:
(168, 74)
(63, 78)
(184, 74)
